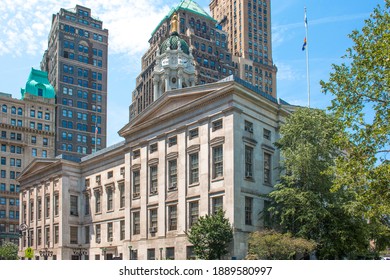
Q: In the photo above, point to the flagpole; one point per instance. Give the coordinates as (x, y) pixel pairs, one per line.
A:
(307, 60)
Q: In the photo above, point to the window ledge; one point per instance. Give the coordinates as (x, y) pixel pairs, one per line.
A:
(217, 179)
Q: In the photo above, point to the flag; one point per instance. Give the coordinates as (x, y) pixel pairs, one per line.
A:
(304, 44)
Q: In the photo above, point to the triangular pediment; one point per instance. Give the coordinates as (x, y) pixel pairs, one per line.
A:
(36, 165)
(169, 102)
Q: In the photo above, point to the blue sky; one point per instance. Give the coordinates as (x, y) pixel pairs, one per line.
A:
(25, 25)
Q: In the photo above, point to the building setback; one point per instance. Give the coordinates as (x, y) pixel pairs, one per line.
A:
(248, 25)
(192, 151)
(76, 61)
(27, 132)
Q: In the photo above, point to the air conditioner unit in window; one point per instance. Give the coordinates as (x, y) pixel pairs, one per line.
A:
(153, 229)
(172, 186)
(153, 190)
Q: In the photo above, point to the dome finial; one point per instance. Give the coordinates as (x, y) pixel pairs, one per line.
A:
(174, 24)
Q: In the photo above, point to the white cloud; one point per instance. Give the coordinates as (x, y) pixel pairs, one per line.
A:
(286, 72)
(25, 25)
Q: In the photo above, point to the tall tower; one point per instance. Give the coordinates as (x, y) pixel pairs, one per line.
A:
(76, 61)
(248, 24)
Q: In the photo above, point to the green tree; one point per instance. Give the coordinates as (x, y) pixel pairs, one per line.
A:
(211, 236)
(302, 202)
(360, 89)
(9, 251)
(272, 245)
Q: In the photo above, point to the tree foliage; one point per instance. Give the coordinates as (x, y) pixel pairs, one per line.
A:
(211, 236)
(303, 203)
(9, 251)
(271, 245)
(360, 89)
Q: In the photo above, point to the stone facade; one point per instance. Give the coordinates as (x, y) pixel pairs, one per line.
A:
(192, 151)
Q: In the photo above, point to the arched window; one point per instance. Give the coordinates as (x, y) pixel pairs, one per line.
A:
(13, 110)
(20, 111)
(4, 108)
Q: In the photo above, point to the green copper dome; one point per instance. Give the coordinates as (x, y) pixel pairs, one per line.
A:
(38, 84)
(172, 42)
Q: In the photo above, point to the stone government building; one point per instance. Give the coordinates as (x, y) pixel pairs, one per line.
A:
(195, 148)
(192, 151)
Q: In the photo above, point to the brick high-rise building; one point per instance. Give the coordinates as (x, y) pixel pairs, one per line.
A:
(248, 24)
(207, 43)
(27, 132)
(76, 61)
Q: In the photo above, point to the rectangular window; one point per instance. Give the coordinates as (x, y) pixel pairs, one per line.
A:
(122, 195)
(218, 161)
(97, 202)
(170, 253)
(136, 184)
(47, 206)
(248, 210)
(87, 205)
(151, 254)
(56, 204)
(194, 168)
(249, 126)
(56, 234)
(153, 148)
(110, 234)
(172, 141)
(98, 234)
(172, 217)
(172, 175)
(267, 134)
(110, 199)
(267, 169)
(74, 235)
(216, 125)
(136, 154)
(74, 206)
(86, 234)
(248, 162)
(122, 229)
(153, 220)
(47, 236)
(153, 179)
(136, 223)
(193, 133)
(217, 203)
(39, 208)
(193, 212)
(39, 236)
(31, 210)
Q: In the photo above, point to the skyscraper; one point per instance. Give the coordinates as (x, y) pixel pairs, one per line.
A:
(207, 43)
(76, 61)
(248, 24)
